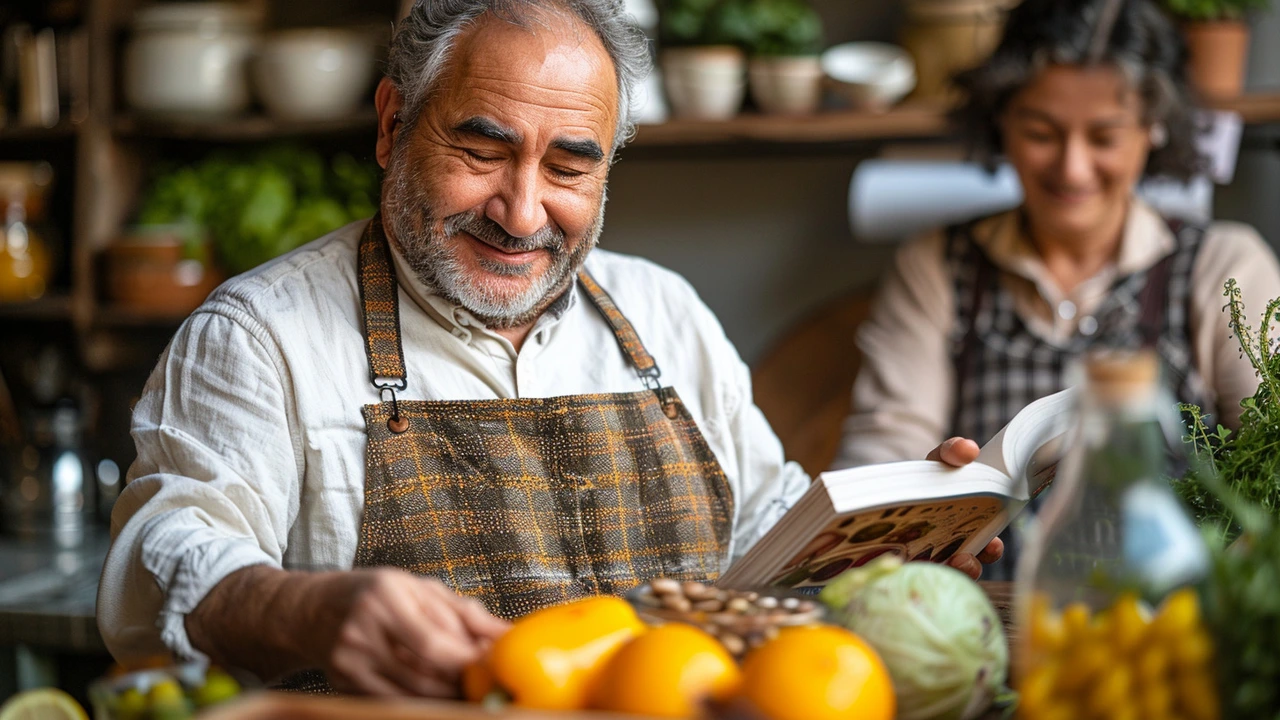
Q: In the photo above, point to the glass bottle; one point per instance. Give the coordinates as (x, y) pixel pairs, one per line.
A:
(1109, 622)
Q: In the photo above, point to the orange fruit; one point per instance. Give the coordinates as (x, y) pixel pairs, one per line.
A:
(667, 672)
(818, 672)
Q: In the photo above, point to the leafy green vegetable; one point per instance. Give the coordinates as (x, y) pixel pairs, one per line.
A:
(1213, 9)
(935, 629)
(259, 204)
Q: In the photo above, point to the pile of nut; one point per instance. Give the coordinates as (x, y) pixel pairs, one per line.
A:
(740, 619)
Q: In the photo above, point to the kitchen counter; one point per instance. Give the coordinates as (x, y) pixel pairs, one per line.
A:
(48, 595)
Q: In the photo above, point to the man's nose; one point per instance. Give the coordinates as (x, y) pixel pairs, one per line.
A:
(518, 207)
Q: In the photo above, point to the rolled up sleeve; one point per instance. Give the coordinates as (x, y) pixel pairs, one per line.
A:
(214, 489)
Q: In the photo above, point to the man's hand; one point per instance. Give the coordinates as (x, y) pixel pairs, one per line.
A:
(390, 633)
(959, 452)
(379, 632)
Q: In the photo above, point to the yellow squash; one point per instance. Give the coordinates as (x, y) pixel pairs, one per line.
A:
(552, 658)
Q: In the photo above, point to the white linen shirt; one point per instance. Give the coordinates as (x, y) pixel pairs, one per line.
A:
(251, 443)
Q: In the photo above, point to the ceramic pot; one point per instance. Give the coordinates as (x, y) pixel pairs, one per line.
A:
(1219, 52)
(150, 272)
(945, 37)
(705, 83)
(786, 85)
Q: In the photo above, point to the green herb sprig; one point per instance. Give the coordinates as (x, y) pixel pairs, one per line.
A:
(1247, 462)
(1234, 490)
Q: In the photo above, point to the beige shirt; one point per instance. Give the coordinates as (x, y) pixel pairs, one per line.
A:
(903, 396)
(251, 445)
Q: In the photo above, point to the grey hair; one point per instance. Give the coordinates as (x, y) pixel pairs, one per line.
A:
(425, 38)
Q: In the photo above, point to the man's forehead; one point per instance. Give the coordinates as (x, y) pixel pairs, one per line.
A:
(550, 49)
(551, 67)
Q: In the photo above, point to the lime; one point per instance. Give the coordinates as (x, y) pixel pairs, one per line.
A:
(131, 705)
(42, 704)
(218, 687)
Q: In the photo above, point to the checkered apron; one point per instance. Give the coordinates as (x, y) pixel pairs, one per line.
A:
(1001, 366)
(528, 502)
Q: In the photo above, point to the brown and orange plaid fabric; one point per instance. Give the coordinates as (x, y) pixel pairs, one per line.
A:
(528, 502)
(622, 329)
(379, 295)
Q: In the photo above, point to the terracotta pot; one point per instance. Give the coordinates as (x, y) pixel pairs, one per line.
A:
(150, 274)
(1219, 53)
(705, 83)
(786, 85)
(945, 37)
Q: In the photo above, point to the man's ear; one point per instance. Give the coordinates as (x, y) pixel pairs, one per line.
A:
(388, 101)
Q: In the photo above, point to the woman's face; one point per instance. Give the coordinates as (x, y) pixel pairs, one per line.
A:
(1079, 144)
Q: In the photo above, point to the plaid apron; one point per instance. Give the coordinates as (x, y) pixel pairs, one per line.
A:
(524, 503)
(527, 502)
(1001, 366)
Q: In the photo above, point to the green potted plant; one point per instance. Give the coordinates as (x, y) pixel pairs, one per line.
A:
(783, 39)
(703, 65)
(1218, 42)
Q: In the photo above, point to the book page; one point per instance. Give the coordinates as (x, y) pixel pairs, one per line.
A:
(930, 531)
(1032, 440)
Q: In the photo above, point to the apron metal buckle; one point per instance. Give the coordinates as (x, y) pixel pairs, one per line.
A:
(395, 424)
(666, 397)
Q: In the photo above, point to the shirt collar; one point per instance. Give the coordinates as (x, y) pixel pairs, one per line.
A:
(452, 316)
(1146, 239)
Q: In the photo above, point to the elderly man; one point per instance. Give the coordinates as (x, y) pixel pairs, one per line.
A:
(359, 457)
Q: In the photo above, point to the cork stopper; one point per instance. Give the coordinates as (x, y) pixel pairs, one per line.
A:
(1122, 376)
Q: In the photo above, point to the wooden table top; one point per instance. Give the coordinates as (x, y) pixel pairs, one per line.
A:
(288, 706)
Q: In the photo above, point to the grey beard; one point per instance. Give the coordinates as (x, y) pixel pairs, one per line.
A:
(425, 242)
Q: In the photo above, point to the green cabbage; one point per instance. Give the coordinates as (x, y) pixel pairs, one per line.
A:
(934, 628)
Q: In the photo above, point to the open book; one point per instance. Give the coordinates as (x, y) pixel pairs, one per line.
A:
(918, 509)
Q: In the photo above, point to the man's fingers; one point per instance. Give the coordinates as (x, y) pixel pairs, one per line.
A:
(967, 564)
(992, 552)
(478, 620)
(409, 672)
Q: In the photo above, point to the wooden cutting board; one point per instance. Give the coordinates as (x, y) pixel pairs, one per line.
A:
(290, 706)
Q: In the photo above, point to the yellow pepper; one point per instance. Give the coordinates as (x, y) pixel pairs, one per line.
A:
(551, 659)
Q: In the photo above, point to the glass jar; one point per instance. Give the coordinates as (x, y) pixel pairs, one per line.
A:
(24, 258)
(1109, 623)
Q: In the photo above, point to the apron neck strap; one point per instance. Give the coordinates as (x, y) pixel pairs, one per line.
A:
(379, 300)
(628, 340)
(379, 294)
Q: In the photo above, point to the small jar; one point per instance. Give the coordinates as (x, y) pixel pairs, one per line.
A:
(190, 60)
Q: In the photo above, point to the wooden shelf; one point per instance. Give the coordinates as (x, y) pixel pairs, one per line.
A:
(906, 121)
(21, 133)
(110, 316)
(902, 122)
(1256, 108)
(53, 307)
(246, 129)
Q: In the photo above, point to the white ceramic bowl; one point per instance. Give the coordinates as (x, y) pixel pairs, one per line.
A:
(869, 75)
(190, 60)
(314, 73)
